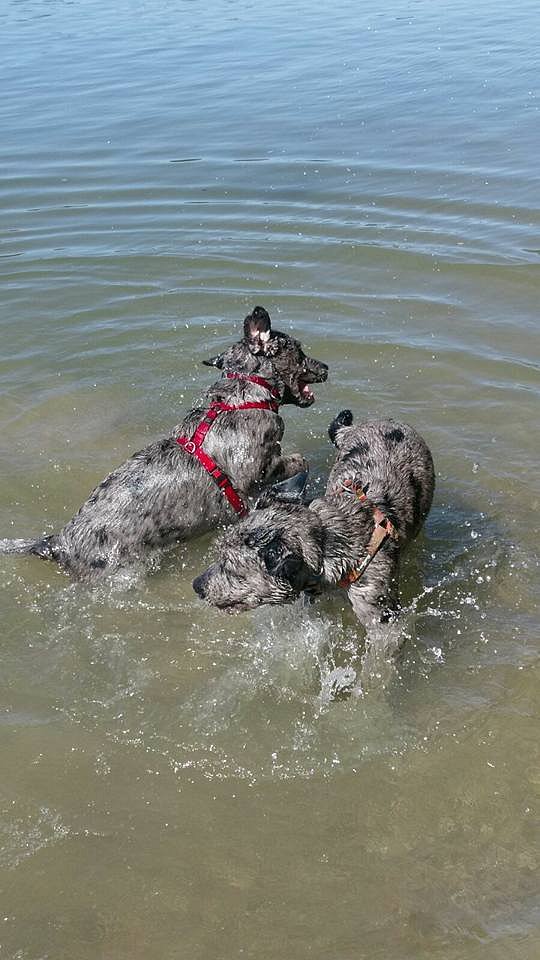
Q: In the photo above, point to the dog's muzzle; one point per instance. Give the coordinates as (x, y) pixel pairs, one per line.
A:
(316, 371)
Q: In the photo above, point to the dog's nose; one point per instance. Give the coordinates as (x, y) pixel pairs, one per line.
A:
(199, 585)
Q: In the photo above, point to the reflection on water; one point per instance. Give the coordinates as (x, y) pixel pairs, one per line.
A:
(171, 775)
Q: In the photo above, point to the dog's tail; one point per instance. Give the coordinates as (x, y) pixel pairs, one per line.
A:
(343, 419)
(22, 545)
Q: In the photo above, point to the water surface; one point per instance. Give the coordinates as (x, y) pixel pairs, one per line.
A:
(176, 783)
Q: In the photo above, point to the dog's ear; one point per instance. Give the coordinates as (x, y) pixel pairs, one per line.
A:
(292, 490)
(343, 419)
(215, 361)
(257, 330)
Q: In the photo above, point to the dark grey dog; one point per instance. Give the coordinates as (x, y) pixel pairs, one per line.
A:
(377, 498)
(164, 494)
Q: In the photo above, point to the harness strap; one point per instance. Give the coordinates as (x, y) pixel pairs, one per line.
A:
(384, 528)
(217, 407)
(193, 446)
(220, 478)
(253, 378)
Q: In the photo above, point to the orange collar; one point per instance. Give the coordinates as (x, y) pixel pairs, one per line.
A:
(383, 529)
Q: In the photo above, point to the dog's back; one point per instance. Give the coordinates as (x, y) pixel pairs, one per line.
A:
(393, 464)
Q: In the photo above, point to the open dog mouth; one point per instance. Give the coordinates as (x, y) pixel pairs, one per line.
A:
(313, 374)
(301, 393)
(249, 605)
(298, 383)
(305, 392)
(233, 608)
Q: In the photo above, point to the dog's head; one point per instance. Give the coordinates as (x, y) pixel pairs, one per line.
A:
(270, 557)
(275, 356)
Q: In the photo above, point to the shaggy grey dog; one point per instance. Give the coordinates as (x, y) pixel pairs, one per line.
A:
(381, 485)
(162, 494)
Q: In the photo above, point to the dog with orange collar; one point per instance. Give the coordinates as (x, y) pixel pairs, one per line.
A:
(378, 495)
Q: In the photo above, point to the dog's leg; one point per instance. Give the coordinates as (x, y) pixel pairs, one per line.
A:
(374, 599)
(383, 643)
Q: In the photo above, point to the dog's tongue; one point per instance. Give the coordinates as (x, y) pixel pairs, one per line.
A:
(306, 392)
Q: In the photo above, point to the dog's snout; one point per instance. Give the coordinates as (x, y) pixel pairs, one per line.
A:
(199, 585)
(318, 370)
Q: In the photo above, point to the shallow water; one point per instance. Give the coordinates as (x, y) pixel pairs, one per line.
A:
(176, 782)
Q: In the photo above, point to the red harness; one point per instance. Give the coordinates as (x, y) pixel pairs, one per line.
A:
(193, 444)
(253, 378)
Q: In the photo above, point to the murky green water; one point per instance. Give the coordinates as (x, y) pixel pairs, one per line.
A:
(176, 783)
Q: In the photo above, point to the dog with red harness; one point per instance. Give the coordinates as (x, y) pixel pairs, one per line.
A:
(202, 474)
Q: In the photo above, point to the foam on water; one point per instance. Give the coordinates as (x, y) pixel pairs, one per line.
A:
(261, 695)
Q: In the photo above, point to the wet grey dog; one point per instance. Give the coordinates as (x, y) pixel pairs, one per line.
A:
(379, 490)
(163, 494)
